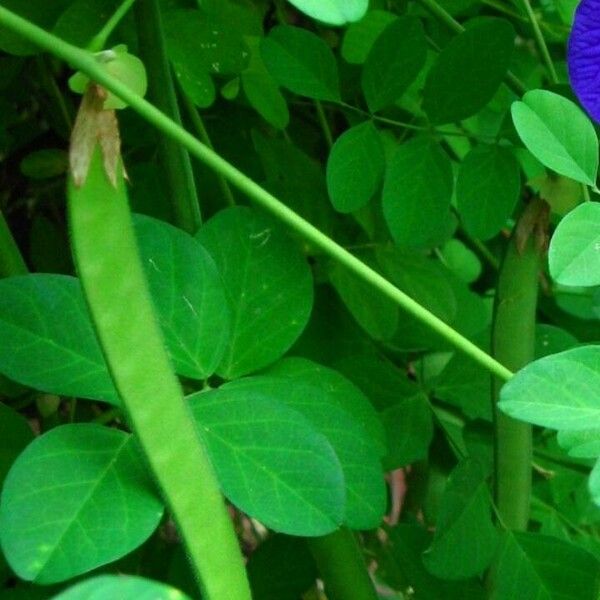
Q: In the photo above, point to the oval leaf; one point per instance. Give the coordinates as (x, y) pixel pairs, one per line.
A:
(478, 58)
(574, 255)
(355, 167)
(561, 391)
(357, 453)
(394, 62)
(270, 460)
(125, 587)
(78, 497)
(56, 355)
(268, 283)
(558, 134)
(417, 193)
(301, 62)
(487, 190)
(188, 294)
(333, 12)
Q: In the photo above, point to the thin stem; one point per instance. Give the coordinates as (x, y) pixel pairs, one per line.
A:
(86, 63)
(98, 42)
(54, 92)
(174, 158)
(586, 192)
(515, 84)
(198, 123)
(11, 260)
(324, 124)
(541, 42)
(342, 567)
(513, 343)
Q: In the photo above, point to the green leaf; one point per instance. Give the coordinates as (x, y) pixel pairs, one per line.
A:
(339, 390)
(302, 62)
(109, 587)
(357, 452)
(561, 391)
(261, 89)
(270, 460)
(530, 565)
(78, 497)
(44, 164)
(281, 568)
(39, 12)
(402, 567)
(574, 255)
(333, 12)
(360, 36)
(584, 443)
(478, 58)
(355, 167)
(188, 294)
(461, 261)
(487, 190)
(465, 538)
(375, 313)
(15, 434)
(416, 193)
(403, 408)
(268, 284)
(47, 338)
(395, 60)
(558, 134)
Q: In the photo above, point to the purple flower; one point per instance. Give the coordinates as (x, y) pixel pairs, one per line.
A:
(584, 56)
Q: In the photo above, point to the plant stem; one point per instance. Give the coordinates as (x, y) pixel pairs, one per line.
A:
(174, 158)
(541, 42)
(513, 82)
(98, 42)
(86, 63)
(342, 567)
(324, 124)
(198, 124)
(513, 343)
(11, 260)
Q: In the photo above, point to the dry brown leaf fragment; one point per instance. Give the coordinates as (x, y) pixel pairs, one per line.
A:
(94, 125)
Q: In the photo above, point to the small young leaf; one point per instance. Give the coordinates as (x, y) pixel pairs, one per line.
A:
(560, 391)
(301, 62)
(478, 58)
(355, 167)
(558, 134)
(333, 12)
(78, 497)
(487, 190)
(574, 255)
(394, 62)
(417, 192)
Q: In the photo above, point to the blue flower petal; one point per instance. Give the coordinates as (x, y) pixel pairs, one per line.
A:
(584, 56)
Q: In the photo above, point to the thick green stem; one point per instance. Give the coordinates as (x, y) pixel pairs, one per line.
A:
(115, 289)
(515, 84)
(513, 343)
(86, 63)
(11, 260)
(342, 567)
(174, 158)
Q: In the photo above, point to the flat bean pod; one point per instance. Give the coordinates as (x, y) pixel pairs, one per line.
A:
(110, 270)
